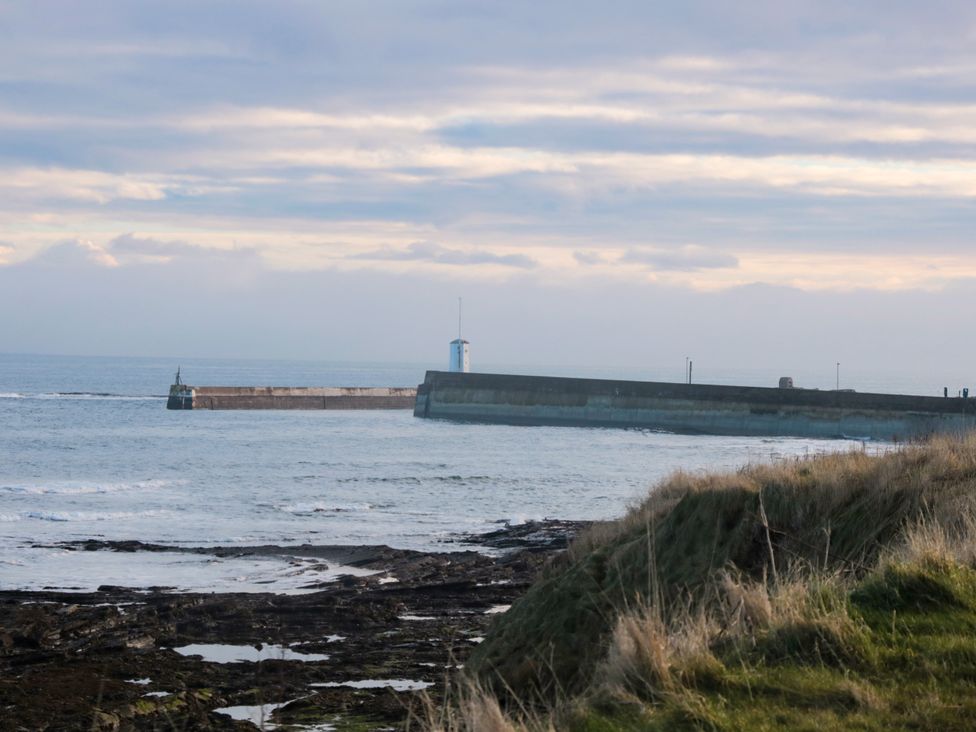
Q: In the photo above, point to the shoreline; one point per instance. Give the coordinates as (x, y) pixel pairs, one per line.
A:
(104, 660)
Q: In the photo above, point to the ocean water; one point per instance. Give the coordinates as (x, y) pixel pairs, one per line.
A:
(89, 451)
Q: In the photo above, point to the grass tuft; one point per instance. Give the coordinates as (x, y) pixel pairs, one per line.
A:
(836, 592)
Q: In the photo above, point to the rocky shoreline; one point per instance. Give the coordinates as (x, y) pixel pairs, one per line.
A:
(348, 654)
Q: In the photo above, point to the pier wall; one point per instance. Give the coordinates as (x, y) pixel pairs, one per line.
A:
(289, 397)
(687, 408)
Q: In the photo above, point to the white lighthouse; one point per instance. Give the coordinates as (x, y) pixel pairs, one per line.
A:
(460, 359)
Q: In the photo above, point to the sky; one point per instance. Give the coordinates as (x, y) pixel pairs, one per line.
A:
(785, 183)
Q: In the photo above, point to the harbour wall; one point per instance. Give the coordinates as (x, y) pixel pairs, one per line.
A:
(182, 396)
(688, 408)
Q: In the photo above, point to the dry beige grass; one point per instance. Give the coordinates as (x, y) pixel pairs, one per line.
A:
(815, 527)
(937, 478)
(468, 707)
(649, 662)
(653, 658)
(949, 539)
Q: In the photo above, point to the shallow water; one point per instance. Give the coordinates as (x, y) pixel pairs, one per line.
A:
(88, 450)
(224, 653)
(395, 684)
(258, 714)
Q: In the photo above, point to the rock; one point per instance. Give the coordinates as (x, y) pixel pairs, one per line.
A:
(141, 642)
(61, 654)
(104, 721)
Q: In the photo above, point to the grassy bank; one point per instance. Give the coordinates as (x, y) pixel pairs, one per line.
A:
(832, 592)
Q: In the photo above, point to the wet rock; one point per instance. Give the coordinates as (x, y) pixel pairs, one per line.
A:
(69, 661)
(105, 721)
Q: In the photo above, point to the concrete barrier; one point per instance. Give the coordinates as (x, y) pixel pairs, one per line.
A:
(182, 396)
(687, 408)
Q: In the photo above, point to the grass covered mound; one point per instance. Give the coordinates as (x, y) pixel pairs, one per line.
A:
(824, 592)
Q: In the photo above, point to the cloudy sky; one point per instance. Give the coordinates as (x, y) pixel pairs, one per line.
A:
(762, 182)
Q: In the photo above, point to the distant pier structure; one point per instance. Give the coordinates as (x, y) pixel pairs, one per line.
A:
(184, 396)
(709, 409)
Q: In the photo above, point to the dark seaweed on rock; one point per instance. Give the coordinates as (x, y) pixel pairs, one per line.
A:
(104, 660)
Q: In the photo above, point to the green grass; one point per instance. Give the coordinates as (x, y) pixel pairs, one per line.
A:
(837, 592)
(912, 667)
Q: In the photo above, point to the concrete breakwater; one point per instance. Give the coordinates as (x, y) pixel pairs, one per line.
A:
(183, 396)
(688, 408)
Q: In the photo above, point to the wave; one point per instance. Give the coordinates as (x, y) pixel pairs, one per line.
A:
(99, 395)
(82, 395)
(323, 507)
(66, 516)
(425, 479)
(75, 488)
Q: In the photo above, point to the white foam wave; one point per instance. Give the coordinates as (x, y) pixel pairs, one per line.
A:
(85, 395)
(82, 395)
(74, 488)
(63, 516)
(323, 507)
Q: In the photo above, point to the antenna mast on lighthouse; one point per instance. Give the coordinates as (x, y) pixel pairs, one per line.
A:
(459, 349)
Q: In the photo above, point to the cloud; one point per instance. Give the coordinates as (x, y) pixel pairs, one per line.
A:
(829, 146)
(588, 258)
(132, 245)
(130, 249)
(172, 309)
(406, 165)
(684, 259)
(277, 118)
(657, 97)
(75, 253)
(87, 186)
(428, 252)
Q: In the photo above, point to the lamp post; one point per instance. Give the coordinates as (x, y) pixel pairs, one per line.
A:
(838, 376)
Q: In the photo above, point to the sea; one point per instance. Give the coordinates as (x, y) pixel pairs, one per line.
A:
(88, 450)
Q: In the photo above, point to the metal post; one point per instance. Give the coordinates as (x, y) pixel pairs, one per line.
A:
(691, 365)
(838, 376)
